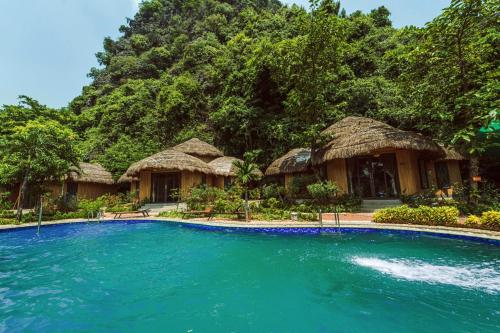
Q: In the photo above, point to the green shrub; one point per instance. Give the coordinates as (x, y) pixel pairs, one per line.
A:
(424, 198)
(472, 220)
(254, 194)
(273, 191)
(91, 206)
(7, 214)
(323, 192)
(420, 215)
(4, 201)
(8, 221)
(172, 214)
(298, 186)
(491, 219)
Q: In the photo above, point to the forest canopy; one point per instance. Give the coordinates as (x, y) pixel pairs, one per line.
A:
(258, 75)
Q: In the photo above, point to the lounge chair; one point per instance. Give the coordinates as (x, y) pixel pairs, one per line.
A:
(144, 212)
(206, 212)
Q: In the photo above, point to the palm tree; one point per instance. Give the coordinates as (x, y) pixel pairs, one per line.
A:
(246, 172)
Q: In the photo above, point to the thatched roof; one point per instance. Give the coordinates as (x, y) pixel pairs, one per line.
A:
(296, 160)
(451, 154)
(126, 179)
(90, 173)
(224, 166)
(354, 136)
(197, 147)
(170, 159)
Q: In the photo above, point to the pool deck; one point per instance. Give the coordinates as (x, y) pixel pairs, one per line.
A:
(345, 223)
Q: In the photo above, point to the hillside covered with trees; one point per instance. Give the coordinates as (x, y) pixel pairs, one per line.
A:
(258, 75)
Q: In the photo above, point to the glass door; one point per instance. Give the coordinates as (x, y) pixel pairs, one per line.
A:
(164, 186)
(374, 177)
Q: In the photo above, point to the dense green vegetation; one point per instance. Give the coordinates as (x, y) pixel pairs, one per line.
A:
(250, 75)
(256, 75)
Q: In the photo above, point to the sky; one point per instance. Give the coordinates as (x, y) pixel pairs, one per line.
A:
(48, 46)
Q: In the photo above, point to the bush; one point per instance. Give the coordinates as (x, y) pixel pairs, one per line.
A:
(91, 206)
(491, 219)
(8, 221)
(472, 220)
(273, 191)
(421, 215)
(425, 198)
(4, 202)
(323, 192)
(298, 187)
(222, 201)
(7, 214)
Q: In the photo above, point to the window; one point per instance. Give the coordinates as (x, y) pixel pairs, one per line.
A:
(422, 170)
(228, 181)
(203, 179)
(442, 176)
(72, 189)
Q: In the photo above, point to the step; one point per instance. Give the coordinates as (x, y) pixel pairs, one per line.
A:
(164, 207)
(371, 205)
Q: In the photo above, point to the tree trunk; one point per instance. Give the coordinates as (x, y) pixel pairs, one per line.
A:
(473, 172)
(246, 204)
(22, 191)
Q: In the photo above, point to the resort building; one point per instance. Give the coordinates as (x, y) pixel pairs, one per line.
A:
(295, 163)
(225, 171)
(128, 183)
(200, 149)
(374, 160)
(90, 181)
(171, 173)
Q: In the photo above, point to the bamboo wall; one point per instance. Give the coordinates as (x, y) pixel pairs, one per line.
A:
(453, 172)
(409, 178)
(188, 180)
(336, 171)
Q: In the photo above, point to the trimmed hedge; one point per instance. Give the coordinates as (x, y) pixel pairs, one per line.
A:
(488, 220)
(421, 215)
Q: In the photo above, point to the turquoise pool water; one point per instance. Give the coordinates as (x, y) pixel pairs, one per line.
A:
(160, 277)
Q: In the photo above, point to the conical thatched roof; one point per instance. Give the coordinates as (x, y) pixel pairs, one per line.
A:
(91, 173)
(354, 136)
(126, 179)
(451, 154)
(224, 166)
(296, 160)
(198, 148)
(170, 159)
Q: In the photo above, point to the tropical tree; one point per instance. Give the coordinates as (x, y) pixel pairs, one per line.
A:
(246, 172)
(36, 152)
(452, 76)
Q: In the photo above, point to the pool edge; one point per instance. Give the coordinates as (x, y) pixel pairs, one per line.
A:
(478, 235)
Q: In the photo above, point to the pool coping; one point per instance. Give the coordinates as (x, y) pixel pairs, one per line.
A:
(297, 227)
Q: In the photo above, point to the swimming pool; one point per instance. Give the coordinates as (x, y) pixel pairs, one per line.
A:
(155, 276)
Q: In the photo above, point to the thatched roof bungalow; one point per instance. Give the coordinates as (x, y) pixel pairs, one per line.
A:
(200, 149)
(449, 170)
(374, 159)
(225, 171)
(170, 172)
(296, 162)
(128, 182)
(87, 181)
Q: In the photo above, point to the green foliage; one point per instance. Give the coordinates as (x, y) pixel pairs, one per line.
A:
(323, 192)
(4, 221)
(274, 191)
(420, 215)
(4, 201)
(491, 219)
(472, 221)
(298, 186)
